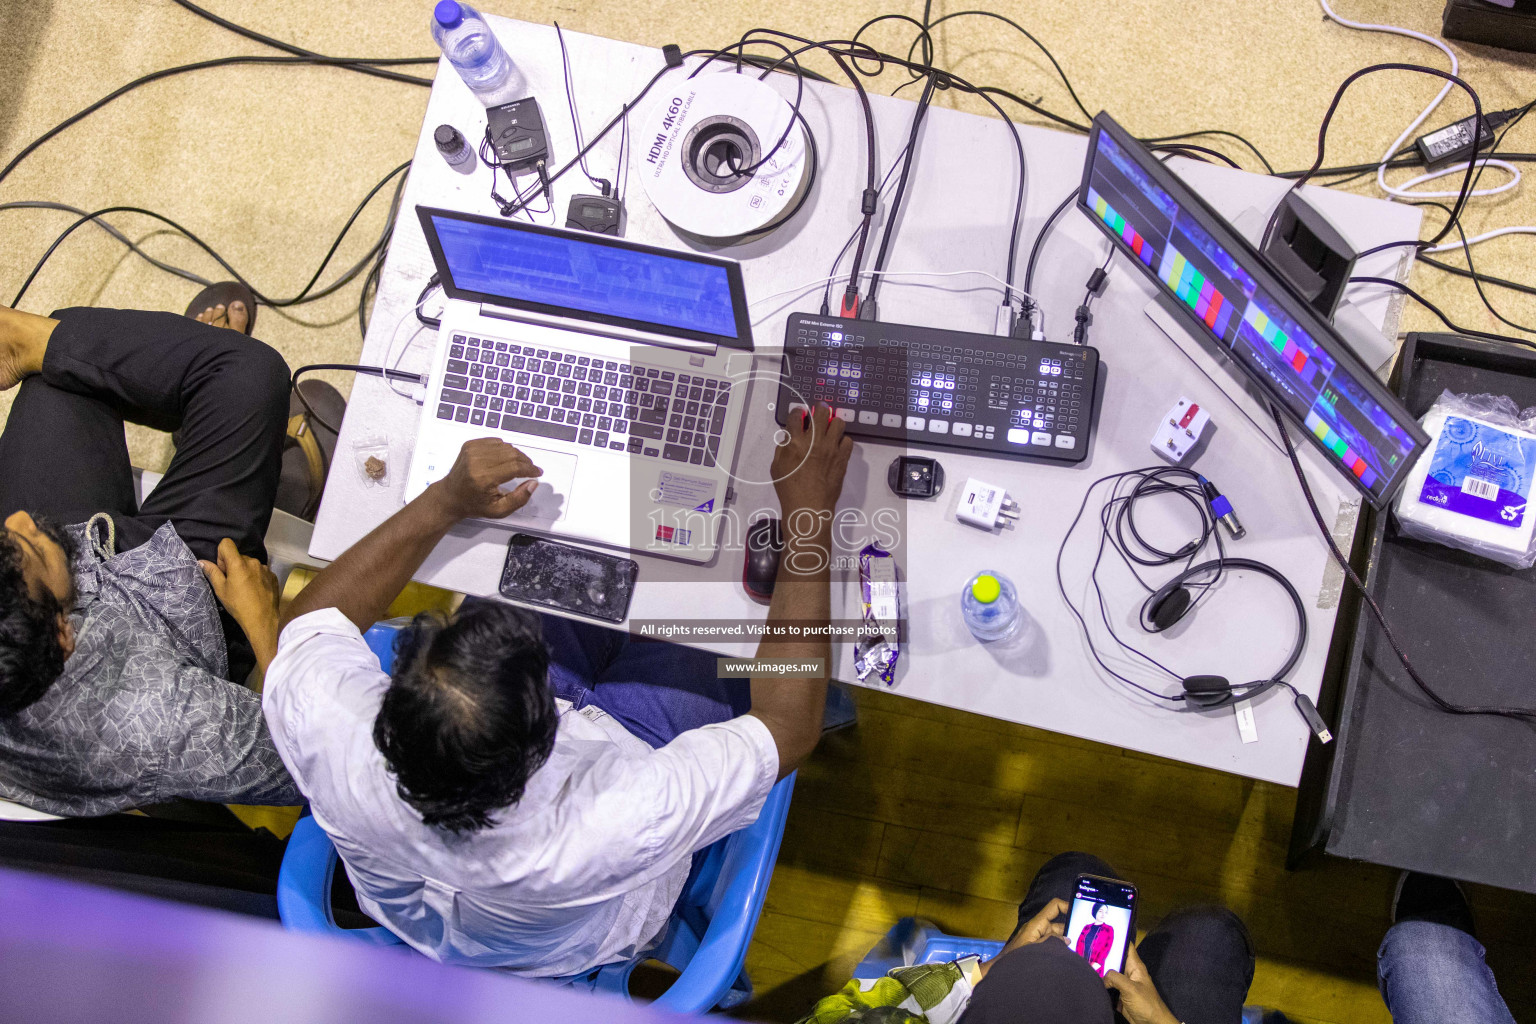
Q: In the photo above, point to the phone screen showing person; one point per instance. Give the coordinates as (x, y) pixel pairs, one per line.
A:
(1100, 921)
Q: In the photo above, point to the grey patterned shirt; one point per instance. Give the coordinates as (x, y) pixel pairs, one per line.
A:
(142, 712)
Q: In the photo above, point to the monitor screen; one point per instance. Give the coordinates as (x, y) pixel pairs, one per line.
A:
(586, 276)
(1222, 284)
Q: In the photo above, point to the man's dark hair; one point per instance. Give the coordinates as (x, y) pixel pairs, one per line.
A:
(30, 655)
(469, 715)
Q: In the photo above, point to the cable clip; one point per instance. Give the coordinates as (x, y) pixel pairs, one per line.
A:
(673, 55)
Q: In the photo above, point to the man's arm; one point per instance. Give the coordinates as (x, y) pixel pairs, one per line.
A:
(366, 579)
(808, 475)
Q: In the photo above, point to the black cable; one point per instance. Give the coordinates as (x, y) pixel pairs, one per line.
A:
(894, 210)
(431, 321)
(1370, 602)
(783, 138)
(603, 184)
(926, 27)
(166, 73)
(1268, 169)
(1322, 133)
(375, 371)
(1095, 285)
(1472, 272)
(133, 247)
(1193, 152)
(1421, 300)
(517, 204)
(1149, 482)
(838, 49)
(1045, 230)
(307, 294)
(364, 66)
(826, 295)
(1408, 156)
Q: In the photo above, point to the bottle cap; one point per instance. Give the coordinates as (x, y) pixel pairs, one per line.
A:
(448, 13)
(447, 138)
(986, 589)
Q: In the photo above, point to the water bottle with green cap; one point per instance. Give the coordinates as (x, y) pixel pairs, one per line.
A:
(990, 606)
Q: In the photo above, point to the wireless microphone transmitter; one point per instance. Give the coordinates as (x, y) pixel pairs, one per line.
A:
(603, 215)
(516, 131)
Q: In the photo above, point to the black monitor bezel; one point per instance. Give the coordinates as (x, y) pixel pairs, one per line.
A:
(742, 341)
(1284, 295)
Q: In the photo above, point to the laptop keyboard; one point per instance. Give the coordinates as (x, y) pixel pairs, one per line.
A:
(603, 403)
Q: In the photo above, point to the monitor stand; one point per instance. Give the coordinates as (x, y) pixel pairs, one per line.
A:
(1364, 339)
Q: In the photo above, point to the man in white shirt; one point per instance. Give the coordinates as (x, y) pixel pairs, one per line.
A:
(482, 818)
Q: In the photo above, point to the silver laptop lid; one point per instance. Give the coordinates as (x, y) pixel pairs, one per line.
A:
(588, 282)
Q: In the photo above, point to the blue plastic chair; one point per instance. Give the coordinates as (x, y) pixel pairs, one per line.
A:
(706, 939)
(913, 941)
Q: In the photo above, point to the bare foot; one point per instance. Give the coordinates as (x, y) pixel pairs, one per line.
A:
(235, 317)
(23, 342)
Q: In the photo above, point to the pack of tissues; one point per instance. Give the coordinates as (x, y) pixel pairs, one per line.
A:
(1471, 488)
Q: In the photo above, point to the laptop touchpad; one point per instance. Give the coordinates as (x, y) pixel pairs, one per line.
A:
(553, 495)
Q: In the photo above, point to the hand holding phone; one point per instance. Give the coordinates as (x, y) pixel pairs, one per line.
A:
(1102, 921)
(1140, 1002)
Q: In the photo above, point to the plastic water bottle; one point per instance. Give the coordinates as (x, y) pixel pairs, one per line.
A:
(990, 606)
(475, 53)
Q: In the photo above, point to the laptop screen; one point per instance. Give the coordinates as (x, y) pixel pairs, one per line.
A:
(588, 277)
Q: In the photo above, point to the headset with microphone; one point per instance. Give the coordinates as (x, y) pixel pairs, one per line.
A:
(1171, 602)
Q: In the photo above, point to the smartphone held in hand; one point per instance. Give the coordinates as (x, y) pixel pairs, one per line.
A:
(1102, 921)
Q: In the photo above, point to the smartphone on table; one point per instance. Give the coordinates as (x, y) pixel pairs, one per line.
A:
(572, 579)
(1102, 921)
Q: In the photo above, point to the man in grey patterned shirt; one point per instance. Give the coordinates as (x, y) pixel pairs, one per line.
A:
(115, 662)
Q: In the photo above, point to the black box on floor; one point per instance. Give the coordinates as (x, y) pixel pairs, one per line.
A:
(1478, 21)
(1406, 784)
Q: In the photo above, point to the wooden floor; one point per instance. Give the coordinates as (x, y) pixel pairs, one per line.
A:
(922, 810)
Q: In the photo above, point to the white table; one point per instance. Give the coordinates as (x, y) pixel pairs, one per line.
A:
(956, 217)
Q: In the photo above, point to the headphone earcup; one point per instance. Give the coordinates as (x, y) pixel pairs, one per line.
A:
(1165, 610)
(1208, 691)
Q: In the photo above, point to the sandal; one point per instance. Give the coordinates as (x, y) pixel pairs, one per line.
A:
(309, 448)
(223, 293)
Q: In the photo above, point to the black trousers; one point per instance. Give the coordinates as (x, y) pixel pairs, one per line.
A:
(63, 452)
(1200, 958)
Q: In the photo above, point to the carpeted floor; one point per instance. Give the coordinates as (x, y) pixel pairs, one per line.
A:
(265, 163)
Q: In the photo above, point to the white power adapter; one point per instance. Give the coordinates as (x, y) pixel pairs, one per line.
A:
(1180, 430)
(985, 505)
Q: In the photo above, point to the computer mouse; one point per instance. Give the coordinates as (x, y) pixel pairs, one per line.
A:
(760, 567)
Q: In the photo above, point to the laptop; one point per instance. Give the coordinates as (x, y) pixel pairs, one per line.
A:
(620, 369)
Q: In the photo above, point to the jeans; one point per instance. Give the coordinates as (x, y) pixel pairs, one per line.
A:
(654, 688)
(1200, 958)
(1435, 973)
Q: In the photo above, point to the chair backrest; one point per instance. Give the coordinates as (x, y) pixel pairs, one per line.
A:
(304, 887)
(710, 930)
(914, 941)
(380, 638)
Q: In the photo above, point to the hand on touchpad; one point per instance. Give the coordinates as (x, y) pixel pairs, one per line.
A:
(554, 487)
